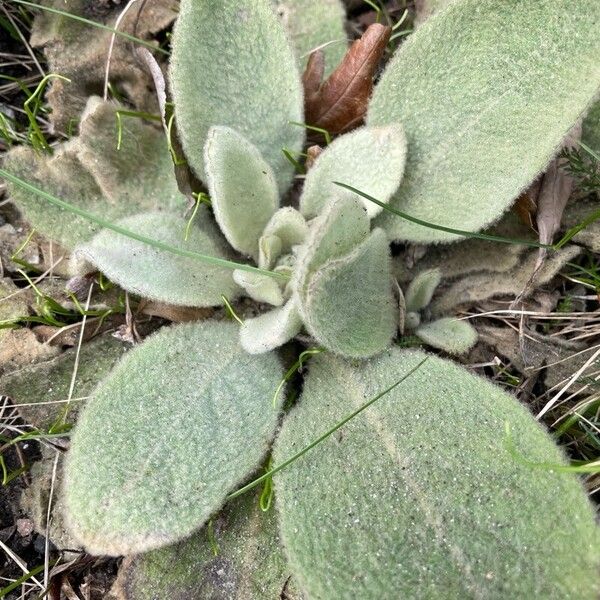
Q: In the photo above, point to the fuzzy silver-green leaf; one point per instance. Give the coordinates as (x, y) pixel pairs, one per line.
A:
(158, 275)
(420, 496)
(232, 65)
(242, 188)
(315, 24)
(177, 425)
(371, 159)
(348, 304)
(448, 334)
(486, 91)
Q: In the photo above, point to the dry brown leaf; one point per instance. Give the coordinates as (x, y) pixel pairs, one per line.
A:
(340, 103)
(177, 314)
(525, 208)
(313, 152)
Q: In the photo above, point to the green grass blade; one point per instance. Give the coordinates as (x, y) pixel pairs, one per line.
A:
(467, 234)
(122, 34)
(323, 437)
(212, 260)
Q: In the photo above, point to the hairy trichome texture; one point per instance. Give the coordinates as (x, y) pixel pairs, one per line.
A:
(181, 421)
(483, 286)
(232, 65)
(242, 188)
(348, 303)
(237, 557)
(486, 91)
(448, 334)
(78, 52)
(271, 329)
(315, 24)
(153, 273)
(41, 391)
(371, 159)
(91, 173)
(423, 495)
(342, 282)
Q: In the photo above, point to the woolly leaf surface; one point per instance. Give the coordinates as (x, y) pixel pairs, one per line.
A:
(421, 289)
(486, 92)
(371, 159)
(242, 188)
(232, 65)
(338, 230)
(315, 24)
(420, 497)
(249, 563)
(176, 426)
(158, 275)
(291, 229)
(261, 288)
(271, 329)
(349, 306)
(108, 183)
(482, 286)
(448, 334)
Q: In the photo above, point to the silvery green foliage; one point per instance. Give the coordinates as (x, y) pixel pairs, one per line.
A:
(91, 173)
(448, 334)
(286, 229)
(261, 288)
(348, 304)
(315, 24)
(420, 497)
(232, 65)
(371, 159)
(420, 291)
(271, 330)
(181, 421)
(342, 282)
(238, 558)
(152, 273)
(242, 188)
(483, 108)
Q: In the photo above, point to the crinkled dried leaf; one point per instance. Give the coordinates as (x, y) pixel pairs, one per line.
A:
(20, 348)
(421, 289)
(370, 159)
(91, 174)
(36, 497)
(575, 214)
(259, 287)
(483, 109)
(448, 334)
(175, 427)
(482, 286)
(40, 390)
(340, 103)
(238, 557)
(348, 304)
(420, 497)
(271, 329)
(79, 51)
(313, 24)
(236, 58)
(155, 274)
(242, 188)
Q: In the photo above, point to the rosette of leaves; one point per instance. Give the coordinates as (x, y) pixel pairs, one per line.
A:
(372, 502)
(447, 333)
